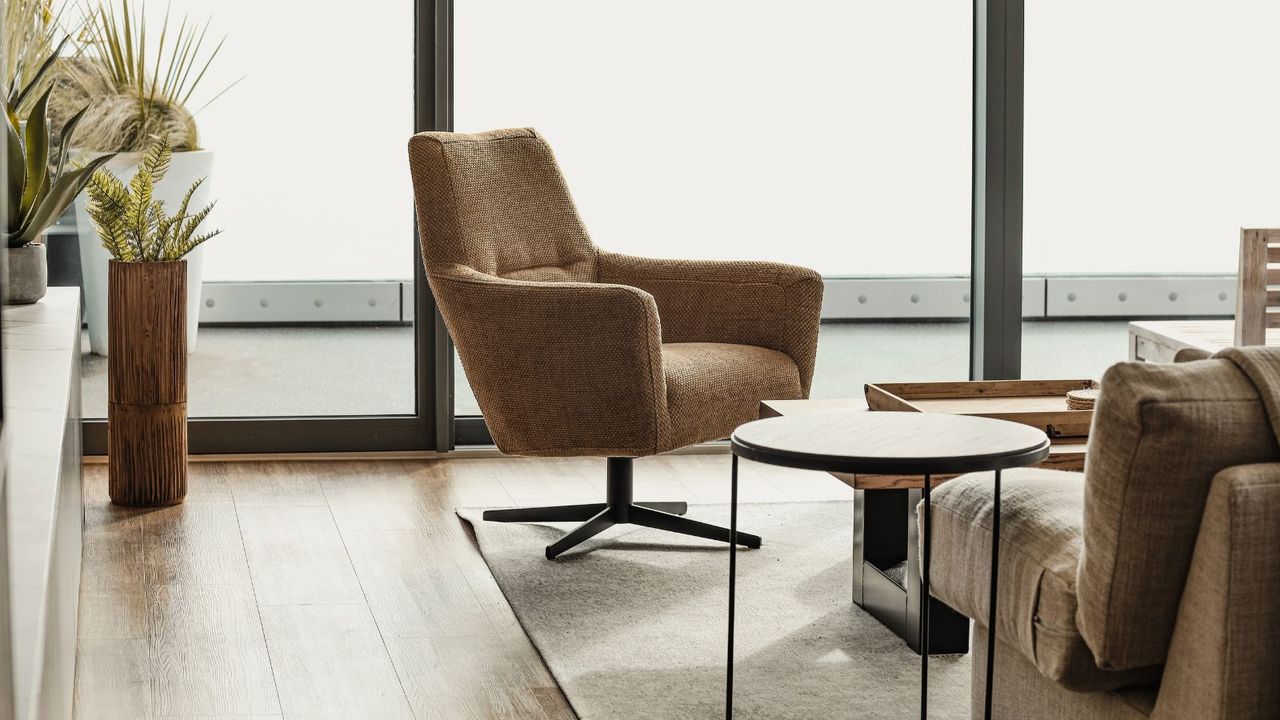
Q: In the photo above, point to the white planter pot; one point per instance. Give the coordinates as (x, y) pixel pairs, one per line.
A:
(184, 169)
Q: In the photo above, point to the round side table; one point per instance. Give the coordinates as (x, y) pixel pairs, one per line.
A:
(898, 443)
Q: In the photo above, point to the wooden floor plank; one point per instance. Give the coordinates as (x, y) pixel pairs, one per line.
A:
(296, 556)
(365, 497)
(410, 597)
(350, 587)
(467, 678)
(208, 655)
(113, 679)
(330, 662)
(276, 484)
(112, 561)
(196, 543)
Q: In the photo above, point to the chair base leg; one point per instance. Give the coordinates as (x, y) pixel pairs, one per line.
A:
(559, 513)
(618, 509)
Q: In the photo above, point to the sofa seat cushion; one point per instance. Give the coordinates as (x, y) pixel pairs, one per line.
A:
(713, 388)
(1041, 531)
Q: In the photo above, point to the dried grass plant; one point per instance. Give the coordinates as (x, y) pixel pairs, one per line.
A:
(35, 35)
(133, 93)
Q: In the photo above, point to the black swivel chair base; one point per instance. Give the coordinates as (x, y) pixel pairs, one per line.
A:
(617, 509)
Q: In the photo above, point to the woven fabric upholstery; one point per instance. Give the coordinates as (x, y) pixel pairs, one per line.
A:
(1224, 659)
(1160, 434)
(1041, 536)
(770, 305)
(563, 344)
(1022, 693)
(496, 202)
(711, 387)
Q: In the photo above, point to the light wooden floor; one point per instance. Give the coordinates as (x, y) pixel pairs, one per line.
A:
(344, 590)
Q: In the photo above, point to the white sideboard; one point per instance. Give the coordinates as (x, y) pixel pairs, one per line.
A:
(42, 491)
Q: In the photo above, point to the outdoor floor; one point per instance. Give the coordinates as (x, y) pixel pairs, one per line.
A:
(369, 370)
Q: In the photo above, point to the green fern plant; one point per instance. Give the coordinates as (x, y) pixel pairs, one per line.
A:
(133, 224)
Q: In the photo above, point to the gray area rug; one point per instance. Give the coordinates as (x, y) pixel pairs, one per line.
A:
(632, 625)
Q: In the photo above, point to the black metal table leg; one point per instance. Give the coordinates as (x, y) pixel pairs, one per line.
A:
(991, 610)
(888, 443)
(733, 574)
(924, 601)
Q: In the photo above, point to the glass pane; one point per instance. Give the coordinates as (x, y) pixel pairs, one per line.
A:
(309, 171)
(1143, 161)
(831, 135)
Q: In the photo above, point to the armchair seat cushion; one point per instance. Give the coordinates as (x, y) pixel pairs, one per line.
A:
(1041, 533)
(714, 387)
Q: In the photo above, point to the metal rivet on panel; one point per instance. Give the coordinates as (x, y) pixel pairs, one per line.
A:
(1173, 296)
(263, 302)
(208, 303)
(1123, 296)
(966, 297)
(1071, 297)
(319, 302)
(373, 302)
(862, 299)
(1222, 296)
(915, 298)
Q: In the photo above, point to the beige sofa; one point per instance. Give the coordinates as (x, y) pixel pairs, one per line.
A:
(1149, 585)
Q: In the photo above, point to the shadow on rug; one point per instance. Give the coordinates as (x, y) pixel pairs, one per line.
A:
(632, 624)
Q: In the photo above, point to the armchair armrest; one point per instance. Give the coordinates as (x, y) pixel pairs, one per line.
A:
(560, 368)
(1224, 656)
(771, 305)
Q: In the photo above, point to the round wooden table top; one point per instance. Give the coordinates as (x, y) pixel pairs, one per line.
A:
(899, 443)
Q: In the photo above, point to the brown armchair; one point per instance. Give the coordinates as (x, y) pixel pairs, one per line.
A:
(574, 351)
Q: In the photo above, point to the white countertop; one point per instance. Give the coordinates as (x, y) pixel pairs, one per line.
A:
(41, 342)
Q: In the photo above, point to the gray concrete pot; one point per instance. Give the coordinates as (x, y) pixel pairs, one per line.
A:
(28, 275)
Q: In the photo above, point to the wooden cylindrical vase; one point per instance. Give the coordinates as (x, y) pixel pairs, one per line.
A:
(147, 382)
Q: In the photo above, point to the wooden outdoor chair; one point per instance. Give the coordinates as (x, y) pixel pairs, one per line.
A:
(1258, 286)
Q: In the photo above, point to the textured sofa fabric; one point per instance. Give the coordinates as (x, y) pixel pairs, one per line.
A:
(1224, 660)
(1041, 535)
(1171, 537)
(1224, 657)
(1022, 693)
(1160, 434)
(571, 350)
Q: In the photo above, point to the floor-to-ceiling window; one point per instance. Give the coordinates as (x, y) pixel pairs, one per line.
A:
(308, 295)
(831, 135)
(1149, 144)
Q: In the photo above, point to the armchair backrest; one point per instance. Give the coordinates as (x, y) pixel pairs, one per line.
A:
(1160, 435)
(495, 202)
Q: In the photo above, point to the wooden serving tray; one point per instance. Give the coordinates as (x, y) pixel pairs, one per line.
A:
(1038, 403)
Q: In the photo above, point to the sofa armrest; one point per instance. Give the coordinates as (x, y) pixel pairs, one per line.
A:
(1224, 656)
(559, 368)
(771, 305)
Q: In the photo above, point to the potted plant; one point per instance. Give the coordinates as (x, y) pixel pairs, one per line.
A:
(134, 95)
(147, 309)
(41, 186)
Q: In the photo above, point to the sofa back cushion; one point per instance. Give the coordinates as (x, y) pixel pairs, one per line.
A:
(1160, 434)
